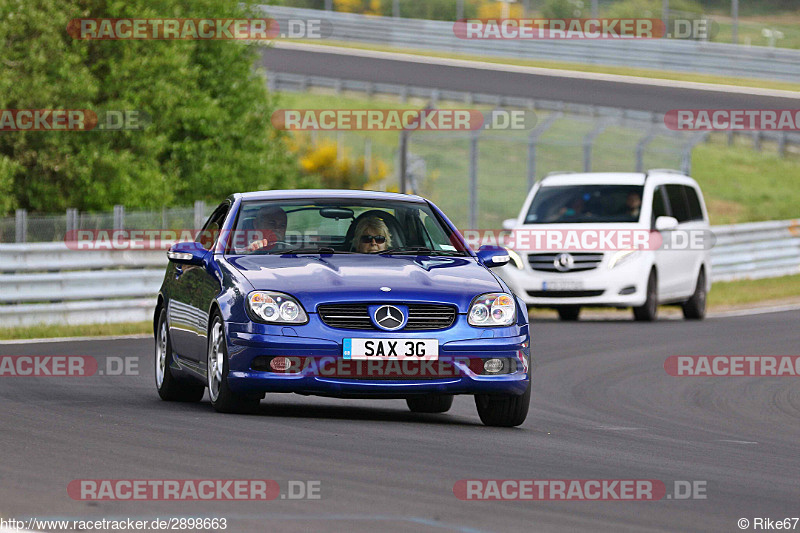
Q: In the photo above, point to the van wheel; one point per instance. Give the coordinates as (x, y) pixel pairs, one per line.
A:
(648, 311)
(695, 307)
(569, 313)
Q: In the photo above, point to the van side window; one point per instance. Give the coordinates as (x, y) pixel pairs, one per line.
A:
(678, 203)
(659, 207)
(695, 211)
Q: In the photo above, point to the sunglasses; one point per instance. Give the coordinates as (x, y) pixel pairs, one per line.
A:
(366, 239)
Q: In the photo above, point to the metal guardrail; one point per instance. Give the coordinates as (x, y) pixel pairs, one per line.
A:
(666, 54)
(52, 284)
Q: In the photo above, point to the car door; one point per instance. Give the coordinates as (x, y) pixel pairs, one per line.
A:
(697, 228)
(666, 262)
(193, 289)
(679, 257)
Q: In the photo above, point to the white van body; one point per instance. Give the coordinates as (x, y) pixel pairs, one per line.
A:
(671, 203)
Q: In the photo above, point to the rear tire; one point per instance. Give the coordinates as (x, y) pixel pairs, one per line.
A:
(506, 410)
(695, 307)
(649, 311)
(170, 388)
(569, 313)
(223, 399)
(433, 403)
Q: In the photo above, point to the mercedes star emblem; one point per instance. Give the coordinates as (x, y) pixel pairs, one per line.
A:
(564, 262)
(388, 317)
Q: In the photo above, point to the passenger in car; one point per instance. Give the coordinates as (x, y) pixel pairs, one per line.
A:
(371, 236)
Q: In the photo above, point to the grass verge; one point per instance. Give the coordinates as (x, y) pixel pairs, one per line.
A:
(82, 330)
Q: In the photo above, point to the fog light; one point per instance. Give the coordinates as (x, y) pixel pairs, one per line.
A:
(280, 364)
(493, 366)
(627, 290)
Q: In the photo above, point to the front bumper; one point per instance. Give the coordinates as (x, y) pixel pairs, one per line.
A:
(602, 287)
(247, 342)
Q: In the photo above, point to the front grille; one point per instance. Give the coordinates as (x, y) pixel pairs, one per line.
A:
(582, 262)
(356, 316)
(564, 294)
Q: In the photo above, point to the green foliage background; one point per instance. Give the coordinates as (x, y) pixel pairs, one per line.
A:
(210, 136)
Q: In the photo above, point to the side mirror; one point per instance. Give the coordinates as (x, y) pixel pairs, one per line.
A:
(187, 253)
(493, 256)
(509, 223)
(666, 223)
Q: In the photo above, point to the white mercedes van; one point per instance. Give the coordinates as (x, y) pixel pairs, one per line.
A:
(636, 240)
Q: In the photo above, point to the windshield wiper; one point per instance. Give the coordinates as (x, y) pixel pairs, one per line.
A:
(418, 250)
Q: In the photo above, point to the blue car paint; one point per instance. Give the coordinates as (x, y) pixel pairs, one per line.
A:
(314, 279)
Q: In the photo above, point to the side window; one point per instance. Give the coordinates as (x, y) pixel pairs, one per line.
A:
(208, 236)
(695, 211)
(678, 203)
(659, 206)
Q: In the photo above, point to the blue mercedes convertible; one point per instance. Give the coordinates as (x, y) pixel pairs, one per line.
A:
(349, 294)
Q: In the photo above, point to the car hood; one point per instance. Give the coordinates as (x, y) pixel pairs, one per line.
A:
(315, 279)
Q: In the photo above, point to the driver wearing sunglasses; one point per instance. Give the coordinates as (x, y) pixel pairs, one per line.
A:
(372, 236)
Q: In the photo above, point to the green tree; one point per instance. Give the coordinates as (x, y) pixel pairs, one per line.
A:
(210, 133)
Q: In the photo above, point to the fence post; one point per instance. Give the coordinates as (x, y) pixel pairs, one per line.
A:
(403, 155)
(368, 157)
(21, 228)
(686, 163)
(199, 214)
(588, 141)
(119, 217)
(782, 144)
(640, 148)
(72, 220)
(473, 179)
(533, 140)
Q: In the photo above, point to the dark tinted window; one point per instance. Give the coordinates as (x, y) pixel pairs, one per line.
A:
(208, 236)
(659, 207)
(695, 211)
(585, 203)
(678, 203)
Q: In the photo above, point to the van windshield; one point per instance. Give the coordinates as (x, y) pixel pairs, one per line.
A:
(585, 203)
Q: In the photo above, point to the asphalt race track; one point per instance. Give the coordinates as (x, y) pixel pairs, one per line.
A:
(603, 407)
(338, 63)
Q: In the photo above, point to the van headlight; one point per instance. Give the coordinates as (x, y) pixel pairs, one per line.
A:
(515, 258)
(276, 308)
(621, 257)
(492, 309)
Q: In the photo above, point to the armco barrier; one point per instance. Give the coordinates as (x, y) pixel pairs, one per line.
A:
(666, 54)
(50, 283)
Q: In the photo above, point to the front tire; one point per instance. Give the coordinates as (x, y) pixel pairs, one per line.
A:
(695, 307)
(649, 311)
(505, 410)
(223, 399)
(170, 388)
(433, 403)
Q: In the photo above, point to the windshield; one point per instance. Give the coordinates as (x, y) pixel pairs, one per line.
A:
(348, 226)
(585, 203)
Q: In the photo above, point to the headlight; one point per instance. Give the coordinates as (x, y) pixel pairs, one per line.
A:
(620, 257)
(276, 308)
(515, 258)
(492, 309)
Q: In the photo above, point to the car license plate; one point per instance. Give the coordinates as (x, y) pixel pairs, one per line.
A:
(384, 349)
(562, 285)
